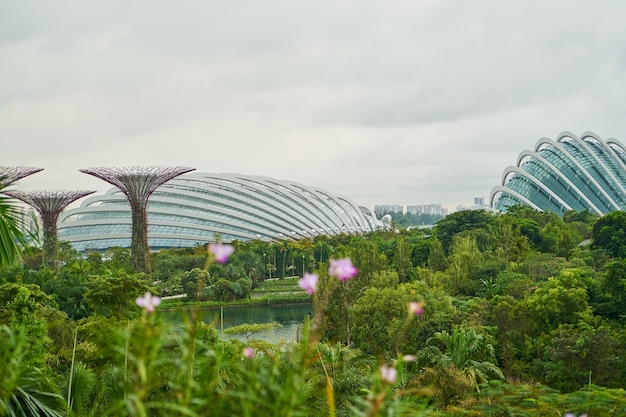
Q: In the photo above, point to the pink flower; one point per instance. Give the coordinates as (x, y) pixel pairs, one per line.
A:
(248, 352)
(221, 251)
(416, 308)
(148, 302)
(342, 269)
(308, 283)
(388, 373)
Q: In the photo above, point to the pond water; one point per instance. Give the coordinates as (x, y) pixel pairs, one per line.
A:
(290, 318)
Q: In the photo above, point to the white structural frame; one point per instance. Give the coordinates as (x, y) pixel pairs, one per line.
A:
(196, 208)
(607, 170)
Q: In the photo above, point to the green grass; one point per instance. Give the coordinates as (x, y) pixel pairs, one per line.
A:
(269, 292)
(278, 285)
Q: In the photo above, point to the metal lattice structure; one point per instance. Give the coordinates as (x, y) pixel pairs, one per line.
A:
(49, 204)
(583, 173)
(138, 183)
(199, 207)
(9, 175)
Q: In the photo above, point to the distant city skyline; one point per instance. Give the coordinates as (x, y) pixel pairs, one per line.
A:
(415, 102)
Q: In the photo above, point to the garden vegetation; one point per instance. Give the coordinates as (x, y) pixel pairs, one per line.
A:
(515, 314)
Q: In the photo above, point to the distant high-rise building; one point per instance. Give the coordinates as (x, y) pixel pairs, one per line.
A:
(383, 209)
(414, 209)
(424, 209)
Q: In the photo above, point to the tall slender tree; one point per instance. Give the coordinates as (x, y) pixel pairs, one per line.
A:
(457, 362)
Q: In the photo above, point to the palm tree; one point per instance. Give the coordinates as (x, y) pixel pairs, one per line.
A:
(458, 362)
(252, 264)
(24, 390)
(347, 369)
(79, 390)
(11, 236)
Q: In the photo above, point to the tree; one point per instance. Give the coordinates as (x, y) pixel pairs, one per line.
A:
(573, 357)
(613, 306)
(119, 260)
(546, 230)
(252, 264)
(458, 362)
(115, 296)
(169, 263)
(348, 370)
(24, 390)
(21, 314)
(463, 260)
(560, 300)
(509, 244)
(402, 259)
(379, 318)
(436, 255)
(609, 233)
(194, 283)
(223, 290)
(248, 330)
(80, 386)
(11, 236)
(368, 260)
(461, 221)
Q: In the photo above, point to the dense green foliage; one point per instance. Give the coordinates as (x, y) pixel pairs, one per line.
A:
(405, 220)
(11, 236)
(523, 312)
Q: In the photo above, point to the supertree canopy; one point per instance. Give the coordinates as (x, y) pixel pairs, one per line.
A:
(49, 204)
(8, 175)
(138, 183)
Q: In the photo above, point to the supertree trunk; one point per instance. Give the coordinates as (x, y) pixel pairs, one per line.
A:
(139, 241)
(50, 246)
(138, 184)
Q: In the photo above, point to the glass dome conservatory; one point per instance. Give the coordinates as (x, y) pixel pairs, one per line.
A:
(569, 173)
(197, 208)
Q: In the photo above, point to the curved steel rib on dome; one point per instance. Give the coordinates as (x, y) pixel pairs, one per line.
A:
(196, 208)
(569, 173)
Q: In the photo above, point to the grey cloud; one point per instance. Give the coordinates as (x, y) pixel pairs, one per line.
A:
(380, 101)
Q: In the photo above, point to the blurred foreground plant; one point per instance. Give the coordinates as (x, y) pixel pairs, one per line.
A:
(188, 371)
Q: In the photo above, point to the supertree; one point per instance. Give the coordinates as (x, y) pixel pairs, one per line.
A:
(8, 175)
(49, 204)
(138, 184)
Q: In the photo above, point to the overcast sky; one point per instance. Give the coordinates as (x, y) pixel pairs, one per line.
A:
(412, 102)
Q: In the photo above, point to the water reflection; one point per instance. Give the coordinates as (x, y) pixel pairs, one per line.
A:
(290, 317)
